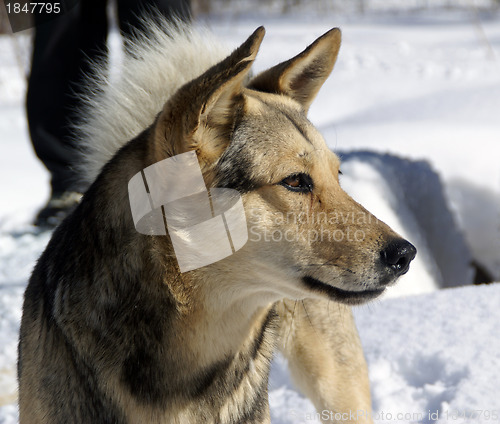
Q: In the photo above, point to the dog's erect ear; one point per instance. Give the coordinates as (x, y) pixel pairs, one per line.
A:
(302, 76)
(210, 96)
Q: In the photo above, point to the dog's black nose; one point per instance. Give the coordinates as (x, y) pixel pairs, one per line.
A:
(397, 255)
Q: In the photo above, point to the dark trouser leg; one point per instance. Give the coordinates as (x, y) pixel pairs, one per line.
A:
(62, 48)
(130, 11)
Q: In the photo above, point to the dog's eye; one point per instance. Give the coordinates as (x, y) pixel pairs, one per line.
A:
(298, 182)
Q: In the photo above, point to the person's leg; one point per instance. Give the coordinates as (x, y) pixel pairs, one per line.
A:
(61, 53)
(130, 11)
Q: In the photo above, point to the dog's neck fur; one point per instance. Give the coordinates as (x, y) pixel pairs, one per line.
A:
(215, 334)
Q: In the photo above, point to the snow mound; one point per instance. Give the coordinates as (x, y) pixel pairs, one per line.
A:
(413, 378)
(414, 374)
(409, 196)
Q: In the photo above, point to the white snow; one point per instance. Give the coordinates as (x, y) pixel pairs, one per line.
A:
(420, 95)
(431, 357)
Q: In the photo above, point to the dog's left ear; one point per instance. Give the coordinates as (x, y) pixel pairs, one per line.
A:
(302, 76)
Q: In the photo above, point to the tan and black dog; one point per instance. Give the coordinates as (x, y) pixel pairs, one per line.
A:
(113, 332)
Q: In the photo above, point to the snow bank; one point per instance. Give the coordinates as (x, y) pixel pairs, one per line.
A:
(432, 358)
(409, 196)
(436, 352)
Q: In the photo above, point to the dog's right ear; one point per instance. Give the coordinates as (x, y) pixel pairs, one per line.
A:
(208, 100)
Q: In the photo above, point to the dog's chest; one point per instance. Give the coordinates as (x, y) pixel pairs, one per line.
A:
(232, 390)
(236, 388)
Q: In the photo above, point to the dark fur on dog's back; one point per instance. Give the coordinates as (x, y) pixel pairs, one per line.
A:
(85, 298)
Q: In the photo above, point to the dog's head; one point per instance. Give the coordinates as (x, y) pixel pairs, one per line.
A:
(306, 237)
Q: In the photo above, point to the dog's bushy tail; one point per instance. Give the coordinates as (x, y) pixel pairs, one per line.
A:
(123, 100)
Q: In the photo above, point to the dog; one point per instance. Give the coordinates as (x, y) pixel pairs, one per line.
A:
(114, 332)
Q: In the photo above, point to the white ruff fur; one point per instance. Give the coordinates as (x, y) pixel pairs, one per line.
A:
(122, 103)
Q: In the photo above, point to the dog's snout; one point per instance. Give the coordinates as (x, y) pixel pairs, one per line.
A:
(397, 256)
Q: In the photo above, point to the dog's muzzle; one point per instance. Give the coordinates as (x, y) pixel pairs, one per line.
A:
(394, 261)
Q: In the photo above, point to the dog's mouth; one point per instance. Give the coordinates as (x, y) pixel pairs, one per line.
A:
(344, 296)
